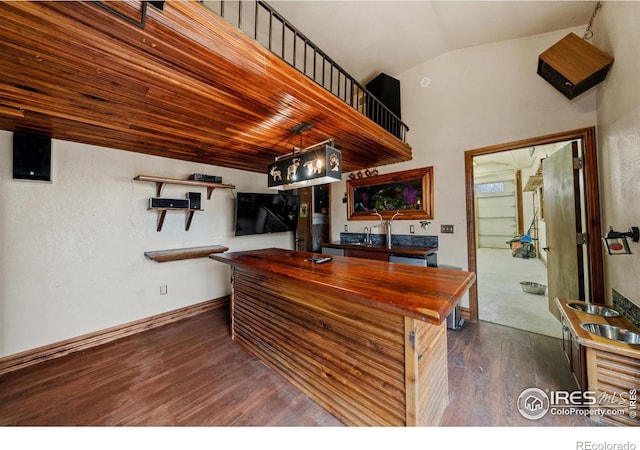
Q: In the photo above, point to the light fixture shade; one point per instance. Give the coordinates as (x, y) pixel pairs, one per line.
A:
(319, 166)
(616, 245)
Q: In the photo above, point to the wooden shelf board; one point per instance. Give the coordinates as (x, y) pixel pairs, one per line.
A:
(153, 179)
(533, 183)
(174, 209)
(184, 253)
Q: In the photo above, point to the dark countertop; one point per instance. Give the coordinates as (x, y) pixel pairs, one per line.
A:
(424, 293)
(395, 249)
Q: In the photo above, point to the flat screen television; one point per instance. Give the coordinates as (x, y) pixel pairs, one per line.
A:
(266, 213)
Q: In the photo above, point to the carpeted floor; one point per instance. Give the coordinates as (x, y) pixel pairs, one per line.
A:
(500, 296)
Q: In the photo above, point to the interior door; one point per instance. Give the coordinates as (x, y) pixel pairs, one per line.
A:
(563, 217)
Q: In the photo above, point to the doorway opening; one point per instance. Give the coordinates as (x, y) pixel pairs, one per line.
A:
(507, 229)
(314, 219)
(511, 236)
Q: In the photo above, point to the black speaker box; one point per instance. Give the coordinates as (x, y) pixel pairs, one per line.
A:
(573, 65)
(31, 156)
(158, 202)
(195, 200)
(387, 90)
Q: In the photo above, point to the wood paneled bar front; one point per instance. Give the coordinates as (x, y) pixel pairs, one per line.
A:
(365, 339)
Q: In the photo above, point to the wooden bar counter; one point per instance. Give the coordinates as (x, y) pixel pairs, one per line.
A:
(365, 339)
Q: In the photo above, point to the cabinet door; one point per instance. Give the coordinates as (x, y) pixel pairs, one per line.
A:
(578, 363)
(575, 354)
(333, 251)
(566, 340)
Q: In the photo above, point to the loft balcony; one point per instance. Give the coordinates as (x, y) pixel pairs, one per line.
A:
(263, 23)
(181, 82)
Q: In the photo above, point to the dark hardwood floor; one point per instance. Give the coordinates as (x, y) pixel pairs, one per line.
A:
(191, 373)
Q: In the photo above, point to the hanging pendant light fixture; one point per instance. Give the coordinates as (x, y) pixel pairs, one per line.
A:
(319, 164)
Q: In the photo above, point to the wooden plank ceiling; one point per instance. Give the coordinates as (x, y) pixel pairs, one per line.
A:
(189, 86)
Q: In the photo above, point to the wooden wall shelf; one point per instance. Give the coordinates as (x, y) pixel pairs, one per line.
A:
(184, 253)
(162, 181)
(533, 183)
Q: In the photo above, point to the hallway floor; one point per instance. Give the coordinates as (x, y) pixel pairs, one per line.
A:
(501, 299)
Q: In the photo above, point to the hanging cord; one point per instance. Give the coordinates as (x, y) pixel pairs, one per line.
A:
(588, 34)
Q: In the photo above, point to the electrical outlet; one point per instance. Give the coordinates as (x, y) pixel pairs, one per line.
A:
(346, 228)
(446, 228)
(412, 229)
(163, 289)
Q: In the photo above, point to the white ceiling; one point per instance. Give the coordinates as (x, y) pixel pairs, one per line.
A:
(512, 160)
(368, 37)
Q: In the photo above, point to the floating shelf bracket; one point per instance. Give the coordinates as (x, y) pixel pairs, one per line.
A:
(189, 218)
(161, 215)
(159, 186)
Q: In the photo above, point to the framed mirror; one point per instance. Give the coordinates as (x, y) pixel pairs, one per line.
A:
(410, 192)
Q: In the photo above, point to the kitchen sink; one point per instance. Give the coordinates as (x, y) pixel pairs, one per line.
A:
(612, 332)
(596, 310)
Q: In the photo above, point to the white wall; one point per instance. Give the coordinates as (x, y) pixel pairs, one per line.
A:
(477, 97)
(72, 259)
(617, 33)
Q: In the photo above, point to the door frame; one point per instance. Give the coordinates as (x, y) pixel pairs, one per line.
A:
(592, 205)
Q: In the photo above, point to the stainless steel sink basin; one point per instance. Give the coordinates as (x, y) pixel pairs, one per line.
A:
(596, 310)
(613, 333)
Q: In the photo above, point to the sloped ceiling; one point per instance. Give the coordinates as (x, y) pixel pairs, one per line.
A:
(369, 37)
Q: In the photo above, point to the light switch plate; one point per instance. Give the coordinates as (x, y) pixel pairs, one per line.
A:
(446, 228)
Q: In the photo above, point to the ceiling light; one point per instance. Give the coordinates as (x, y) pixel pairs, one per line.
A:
(318, 164)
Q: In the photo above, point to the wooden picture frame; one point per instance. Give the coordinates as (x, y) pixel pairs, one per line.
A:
(410, 191)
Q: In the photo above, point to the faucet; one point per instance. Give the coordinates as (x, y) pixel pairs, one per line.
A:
(388, 225)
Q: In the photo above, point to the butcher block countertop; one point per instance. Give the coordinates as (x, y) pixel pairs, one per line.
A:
(575, 318)
(422, 293)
